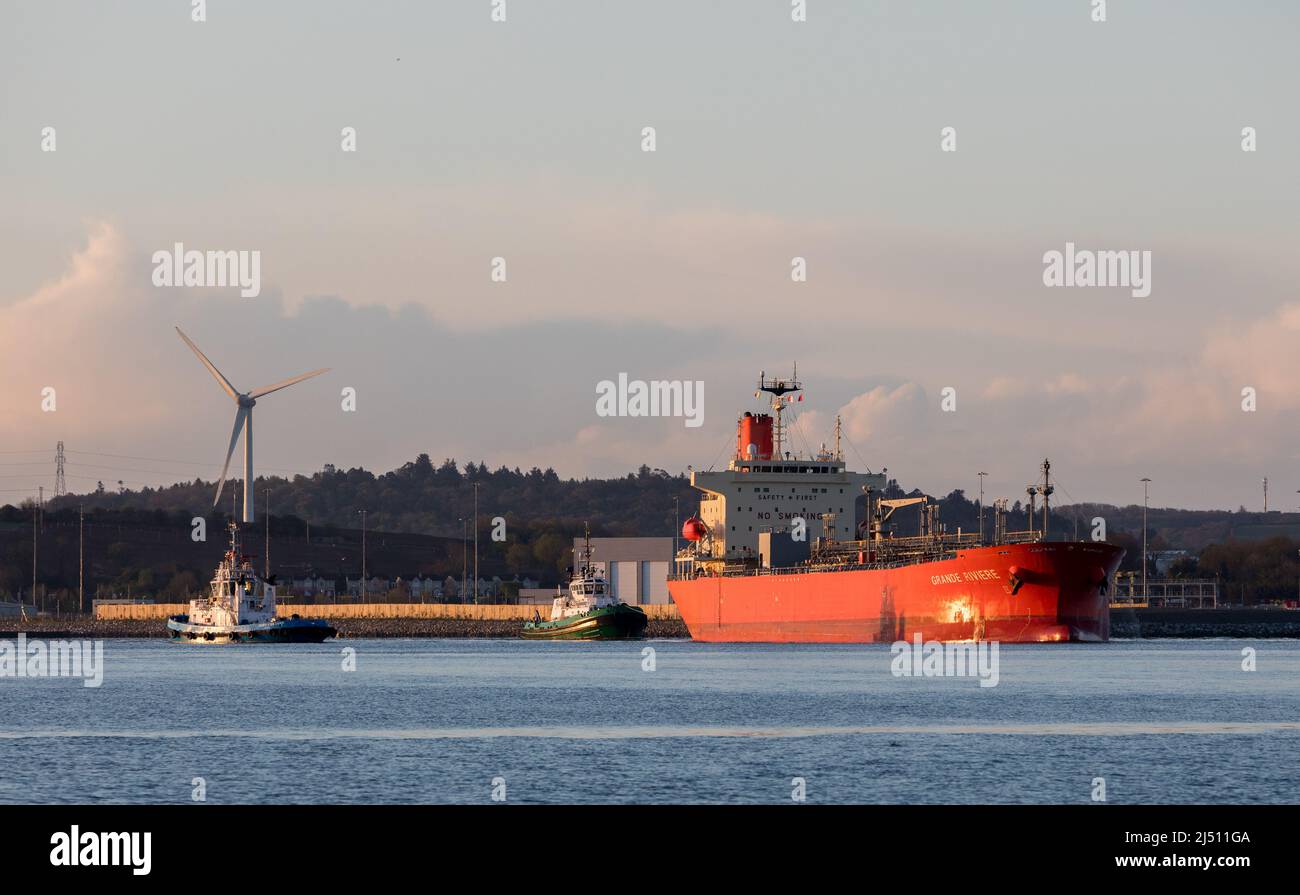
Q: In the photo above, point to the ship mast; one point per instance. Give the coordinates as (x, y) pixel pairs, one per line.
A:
(1046, 491)
(778, 388)
(586, 548)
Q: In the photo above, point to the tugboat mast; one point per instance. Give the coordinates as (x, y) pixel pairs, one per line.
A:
(585, 565)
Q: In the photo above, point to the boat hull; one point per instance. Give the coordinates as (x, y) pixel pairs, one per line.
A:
(282, 630)
(621, 622)
(1024, 593)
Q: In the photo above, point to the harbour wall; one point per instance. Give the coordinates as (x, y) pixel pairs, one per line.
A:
(352, 620)
(337, 611)
(1236, 621)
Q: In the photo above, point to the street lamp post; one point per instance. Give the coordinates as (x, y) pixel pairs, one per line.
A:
(81, 559)
(677, 527)
(464, 559)
(35, 535)
(1145, 500)
(982, 475)
(266, 559)
(364, 596)
(476, 484)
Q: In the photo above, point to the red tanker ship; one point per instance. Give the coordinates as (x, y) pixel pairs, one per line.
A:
(755, 569)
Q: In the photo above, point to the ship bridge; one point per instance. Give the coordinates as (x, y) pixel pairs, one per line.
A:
(751, 497)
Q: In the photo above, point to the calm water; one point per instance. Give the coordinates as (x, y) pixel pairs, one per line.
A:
(437, 720)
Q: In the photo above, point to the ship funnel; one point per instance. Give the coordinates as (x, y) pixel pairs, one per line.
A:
(754, 437)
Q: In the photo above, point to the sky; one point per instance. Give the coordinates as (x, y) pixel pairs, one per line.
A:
(774, 139)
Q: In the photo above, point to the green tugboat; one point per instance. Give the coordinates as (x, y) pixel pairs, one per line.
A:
(587, 611)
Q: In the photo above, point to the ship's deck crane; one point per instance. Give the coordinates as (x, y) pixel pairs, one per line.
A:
(884, 509)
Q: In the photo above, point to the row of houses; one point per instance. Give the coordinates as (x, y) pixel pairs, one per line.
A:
(415, 588)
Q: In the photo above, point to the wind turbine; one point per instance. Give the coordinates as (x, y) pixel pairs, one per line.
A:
(243, 422)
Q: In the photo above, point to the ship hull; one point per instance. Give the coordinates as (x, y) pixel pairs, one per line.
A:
(282, 630)
(621, 622)
(1025, 593)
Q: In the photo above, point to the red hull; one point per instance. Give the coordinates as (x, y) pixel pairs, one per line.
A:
(972, 597)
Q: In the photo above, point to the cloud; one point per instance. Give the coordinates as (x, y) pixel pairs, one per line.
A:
(1262, 354)
(1179, 421)
(1067, 384)
(1001, 387)
(884, 414)
(78, 336)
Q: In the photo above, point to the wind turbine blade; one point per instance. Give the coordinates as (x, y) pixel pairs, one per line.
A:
(216, 374)
(267, 389)
(234, 440)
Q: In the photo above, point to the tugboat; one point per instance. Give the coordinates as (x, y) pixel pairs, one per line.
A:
(587, 611)
(240, 608)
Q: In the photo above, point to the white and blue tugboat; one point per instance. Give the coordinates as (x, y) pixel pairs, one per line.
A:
(240, 608)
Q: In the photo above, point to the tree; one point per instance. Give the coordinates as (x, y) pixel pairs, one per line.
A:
(553, 551)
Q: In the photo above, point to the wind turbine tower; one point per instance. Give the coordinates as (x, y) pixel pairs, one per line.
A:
(243, 422)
